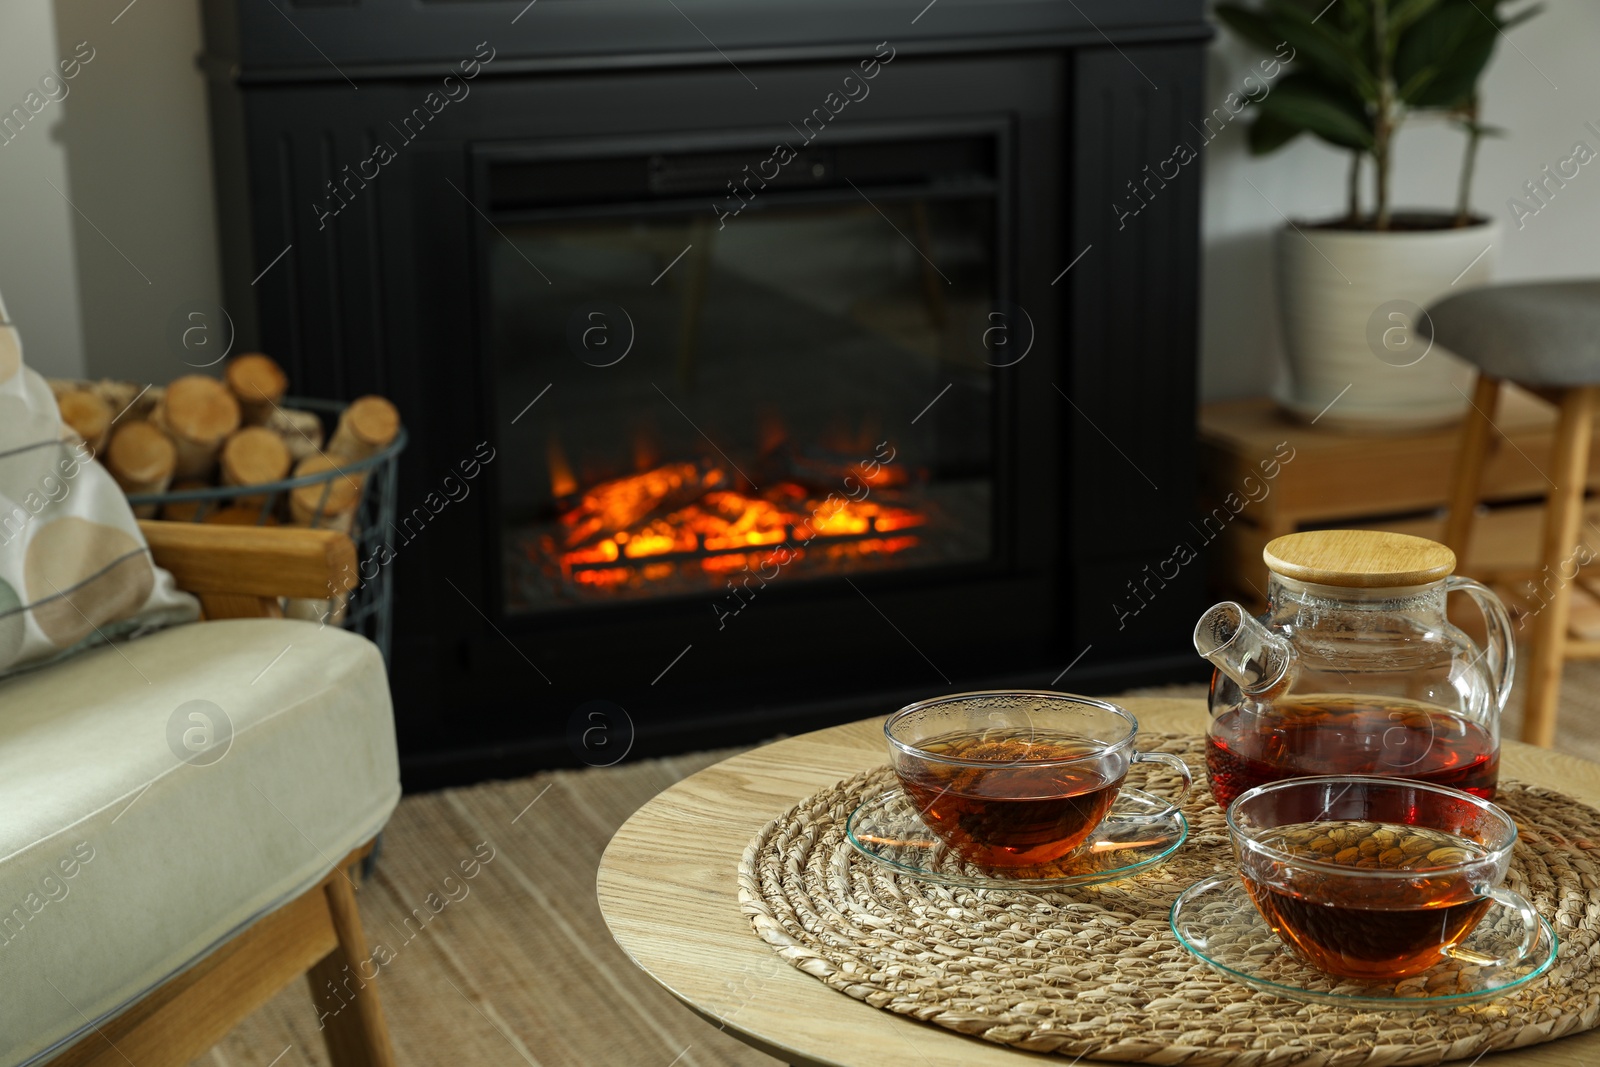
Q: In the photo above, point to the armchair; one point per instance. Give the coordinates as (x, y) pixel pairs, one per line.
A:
(211, 859)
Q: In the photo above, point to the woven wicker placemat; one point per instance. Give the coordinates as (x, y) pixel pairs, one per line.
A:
(1095, 971)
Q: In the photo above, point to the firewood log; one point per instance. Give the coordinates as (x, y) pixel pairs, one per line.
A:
(329, 505)
(130, 401)
(625, 502)
(88, 415)
(186, 510)
(141, 458)
(258, 383)
(254, 456)
(199, 414)
(240, 515)
(366, 427)
(301, 431)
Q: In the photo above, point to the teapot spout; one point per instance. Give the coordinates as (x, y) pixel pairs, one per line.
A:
(1243, 649)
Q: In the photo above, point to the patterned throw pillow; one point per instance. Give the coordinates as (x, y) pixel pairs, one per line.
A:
(74, 568)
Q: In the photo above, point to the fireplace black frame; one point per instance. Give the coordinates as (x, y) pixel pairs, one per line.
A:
(384, 299)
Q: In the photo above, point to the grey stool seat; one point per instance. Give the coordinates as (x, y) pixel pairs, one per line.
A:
(1536, 333)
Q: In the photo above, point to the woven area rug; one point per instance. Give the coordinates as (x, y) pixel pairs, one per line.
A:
(521, 969)
(1095, 971)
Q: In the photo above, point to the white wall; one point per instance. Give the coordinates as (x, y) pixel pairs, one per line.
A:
(93, 292)
(132, 136)
(1240, 351)
(38, 270)
(139, 154)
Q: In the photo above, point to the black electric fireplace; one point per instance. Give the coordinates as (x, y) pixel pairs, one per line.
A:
(753, 385)
(757, 415)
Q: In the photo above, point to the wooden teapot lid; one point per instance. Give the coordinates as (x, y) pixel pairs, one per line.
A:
(1360, 559)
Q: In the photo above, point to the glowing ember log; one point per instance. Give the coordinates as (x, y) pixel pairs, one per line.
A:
(682, 515)
(622, 503)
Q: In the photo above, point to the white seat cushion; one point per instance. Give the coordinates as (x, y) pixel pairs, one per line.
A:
(136, 838)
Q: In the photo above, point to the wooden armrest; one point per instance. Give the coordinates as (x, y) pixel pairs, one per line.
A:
(256, 561)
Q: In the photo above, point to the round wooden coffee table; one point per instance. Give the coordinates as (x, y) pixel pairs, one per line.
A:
(668, 890)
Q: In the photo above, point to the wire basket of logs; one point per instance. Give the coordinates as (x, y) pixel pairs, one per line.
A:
(240, 451)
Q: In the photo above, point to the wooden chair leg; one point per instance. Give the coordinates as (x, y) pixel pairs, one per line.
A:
(1562, 516)
(343, 987)
(1466, 479)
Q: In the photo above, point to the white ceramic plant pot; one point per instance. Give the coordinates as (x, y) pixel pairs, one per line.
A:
(1350, 301)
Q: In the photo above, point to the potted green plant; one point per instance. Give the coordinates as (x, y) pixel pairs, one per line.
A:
(1349, 287)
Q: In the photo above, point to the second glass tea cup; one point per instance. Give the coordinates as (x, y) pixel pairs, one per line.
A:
(1376, 878)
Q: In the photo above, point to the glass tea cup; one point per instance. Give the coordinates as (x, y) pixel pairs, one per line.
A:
(1376, 878)
(1020, 777)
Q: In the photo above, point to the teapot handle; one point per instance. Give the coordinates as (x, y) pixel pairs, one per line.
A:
(1501, 651)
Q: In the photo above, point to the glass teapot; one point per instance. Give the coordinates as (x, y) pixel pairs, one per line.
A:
(1356, 669)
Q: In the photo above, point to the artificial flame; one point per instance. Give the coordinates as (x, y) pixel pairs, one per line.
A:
(687, 515)
(646, 454)
(562, 482)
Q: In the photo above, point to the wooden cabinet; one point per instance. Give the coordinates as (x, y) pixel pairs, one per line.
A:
(1326, 478)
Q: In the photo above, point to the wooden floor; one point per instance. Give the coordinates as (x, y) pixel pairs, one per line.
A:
(515, 964)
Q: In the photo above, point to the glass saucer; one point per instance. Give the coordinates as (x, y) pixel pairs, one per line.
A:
(1215, 920)
(888, 830)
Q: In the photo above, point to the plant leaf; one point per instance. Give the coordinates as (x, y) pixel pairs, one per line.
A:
(1451, 77)
(1327, 110)
(1270, 132)
(1520, 17)
(1251, 26)
(1404, 14)
(1439, 60)
(1323, 48)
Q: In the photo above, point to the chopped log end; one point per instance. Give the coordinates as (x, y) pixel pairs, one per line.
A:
(200, 409)
(367, 426)
(141, 458)
(253, 456)
(86, 413)
(256, 378)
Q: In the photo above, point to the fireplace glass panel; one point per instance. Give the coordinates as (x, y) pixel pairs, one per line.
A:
(805, 391)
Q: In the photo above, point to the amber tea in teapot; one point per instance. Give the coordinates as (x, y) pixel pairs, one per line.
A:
(1334, 734)
(1356, 668)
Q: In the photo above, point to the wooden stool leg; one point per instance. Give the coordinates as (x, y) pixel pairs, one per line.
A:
(1466, 479)
(1563, 513)
(354, 1031)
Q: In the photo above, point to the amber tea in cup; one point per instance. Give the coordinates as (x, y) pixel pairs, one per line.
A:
(1373, 878)
(1015, 779)
(1044, 801)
